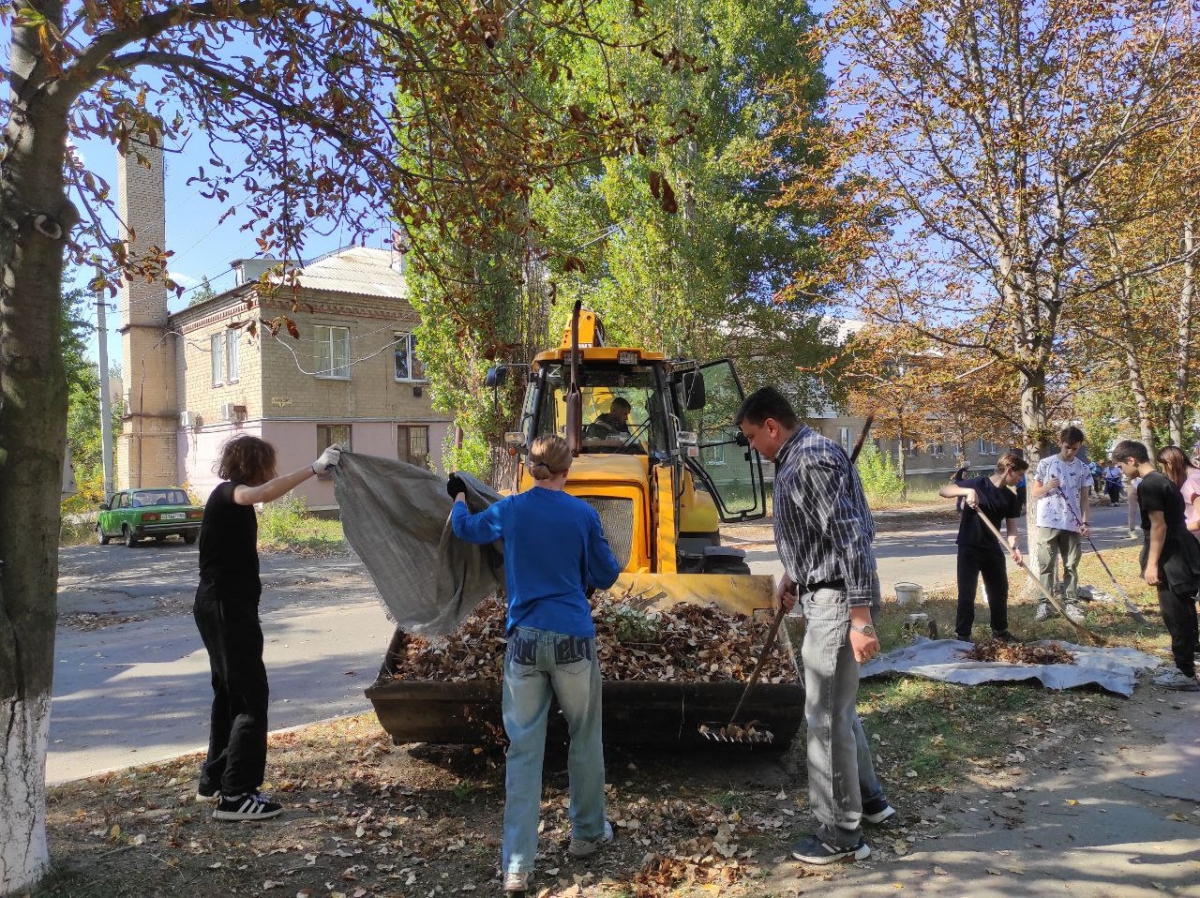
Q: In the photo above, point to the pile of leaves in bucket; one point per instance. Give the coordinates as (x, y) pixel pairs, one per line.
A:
(685, 644)
(1019, 653)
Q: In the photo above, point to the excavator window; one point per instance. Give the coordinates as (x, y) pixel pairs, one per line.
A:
(621, 411)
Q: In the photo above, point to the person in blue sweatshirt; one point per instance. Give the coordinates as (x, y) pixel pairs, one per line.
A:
(554, 550)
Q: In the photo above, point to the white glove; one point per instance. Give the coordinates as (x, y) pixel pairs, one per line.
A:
(329, 459)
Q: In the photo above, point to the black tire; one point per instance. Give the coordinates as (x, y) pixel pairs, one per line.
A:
(101, 537)
(130, 539)
(190, 538)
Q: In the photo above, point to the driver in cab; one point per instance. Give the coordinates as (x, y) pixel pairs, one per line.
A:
(615, 421)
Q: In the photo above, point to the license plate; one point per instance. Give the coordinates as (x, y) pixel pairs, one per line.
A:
(176, 516)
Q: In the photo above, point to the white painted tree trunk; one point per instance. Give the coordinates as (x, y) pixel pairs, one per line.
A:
(23, 854)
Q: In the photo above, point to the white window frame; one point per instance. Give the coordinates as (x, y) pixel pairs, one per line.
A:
(324, 335)
(216, 346)
(844, 437)
(409, 347)
(232, 355)
(713, 456)
(987, 447)
(912, 450)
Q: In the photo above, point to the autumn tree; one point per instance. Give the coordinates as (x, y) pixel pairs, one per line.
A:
(299, 104)
(966, 148)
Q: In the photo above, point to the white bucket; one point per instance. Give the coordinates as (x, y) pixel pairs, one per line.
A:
(908, 594)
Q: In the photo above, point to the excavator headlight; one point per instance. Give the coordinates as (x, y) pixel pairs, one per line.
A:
(627, 357)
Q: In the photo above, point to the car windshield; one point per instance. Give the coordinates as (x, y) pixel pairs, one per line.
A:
(146, 498)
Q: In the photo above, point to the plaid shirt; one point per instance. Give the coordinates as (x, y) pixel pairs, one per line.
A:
(823, 527)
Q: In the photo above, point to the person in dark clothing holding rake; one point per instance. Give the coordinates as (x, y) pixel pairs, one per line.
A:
(979, 553)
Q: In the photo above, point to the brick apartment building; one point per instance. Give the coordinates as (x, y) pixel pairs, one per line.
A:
(193, 379)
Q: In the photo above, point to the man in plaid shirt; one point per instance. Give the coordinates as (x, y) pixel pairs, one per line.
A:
(823, 530)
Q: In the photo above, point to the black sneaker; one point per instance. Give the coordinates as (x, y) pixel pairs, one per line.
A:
(1004, 636)
(251, 806)
(813, 851)
(877, 811)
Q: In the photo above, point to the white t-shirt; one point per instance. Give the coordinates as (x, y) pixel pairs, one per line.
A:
(1052, 509)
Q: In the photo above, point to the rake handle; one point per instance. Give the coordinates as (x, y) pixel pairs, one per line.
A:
(1052, 599)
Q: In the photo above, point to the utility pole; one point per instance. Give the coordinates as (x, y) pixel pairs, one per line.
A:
(106, 437)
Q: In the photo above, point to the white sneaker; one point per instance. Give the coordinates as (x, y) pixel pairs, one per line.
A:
(1178, 681)
(516, 883)
(1075, 613)
(1043, 611)
(583, 847)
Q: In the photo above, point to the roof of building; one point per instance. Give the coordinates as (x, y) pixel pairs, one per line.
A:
(359, 270)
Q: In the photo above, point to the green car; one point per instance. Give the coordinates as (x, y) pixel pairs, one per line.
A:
(134, 515)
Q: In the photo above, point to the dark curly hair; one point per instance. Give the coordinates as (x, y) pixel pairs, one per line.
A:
(247, 460)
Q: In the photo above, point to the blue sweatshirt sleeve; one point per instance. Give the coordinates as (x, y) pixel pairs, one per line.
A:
(482, 528)
(603, 567)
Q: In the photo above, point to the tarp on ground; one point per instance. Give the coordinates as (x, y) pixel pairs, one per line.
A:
(1112, 669)
(396, 518)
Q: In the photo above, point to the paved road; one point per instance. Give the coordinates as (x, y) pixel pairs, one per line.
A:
(137, 688)
(923, 554)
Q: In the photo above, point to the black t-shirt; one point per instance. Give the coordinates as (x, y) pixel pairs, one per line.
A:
(229, 542)
(997, 502)
(1156, 492)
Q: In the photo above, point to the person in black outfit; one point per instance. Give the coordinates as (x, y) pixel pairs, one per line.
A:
(226, 613)
(1170, 560)
(979, 552)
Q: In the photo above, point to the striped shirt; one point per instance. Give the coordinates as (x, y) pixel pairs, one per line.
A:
(823, 527)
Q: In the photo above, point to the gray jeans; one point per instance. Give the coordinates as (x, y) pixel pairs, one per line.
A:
(841, 774)
(1051, 544)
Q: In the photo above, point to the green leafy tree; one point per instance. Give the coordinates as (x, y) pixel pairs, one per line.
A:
(295, 101)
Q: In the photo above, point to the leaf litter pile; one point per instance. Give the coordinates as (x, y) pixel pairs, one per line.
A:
(1019, 653)
(685, 644)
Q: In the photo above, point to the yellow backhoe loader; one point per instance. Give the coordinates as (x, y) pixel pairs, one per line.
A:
(662, 481)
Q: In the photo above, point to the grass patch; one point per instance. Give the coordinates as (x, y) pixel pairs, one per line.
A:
(76, 532)
(286, 526)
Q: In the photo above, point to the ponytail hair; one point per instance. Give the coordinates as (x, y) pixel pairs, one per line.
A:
(549, 455)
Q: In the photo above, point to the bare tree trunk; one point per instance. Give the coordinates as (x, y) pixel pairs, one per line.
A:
(37, 217)
(1183, 344)
(1033, 426)
(1133, 365)
(902, 463)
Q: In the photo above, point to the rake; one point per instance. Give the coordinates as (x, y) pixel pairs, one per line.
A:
(1046, 594)
(755, 732)
(1129, 606)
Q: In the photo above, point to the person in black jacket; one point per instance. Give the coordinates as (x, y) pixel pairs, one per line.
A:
(1170, 560)
(226, 613)
(979, 553)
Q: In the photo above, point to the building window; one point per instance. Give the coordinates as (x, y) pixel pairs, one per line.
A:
(333, 351)
(713, 455)
(987, 447)
(231, 355)
(329, 434)
(412, 444)
(844, 437)
(216, 346)
(912, 451)
(937, 450)
(408, 366)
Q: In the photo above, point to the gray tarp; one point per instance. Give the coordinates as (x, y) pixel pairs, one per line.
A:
(1112, 669)
(396, 517)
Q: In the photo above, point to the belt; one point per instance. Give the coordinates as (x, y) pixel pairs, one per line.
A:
(825, 584)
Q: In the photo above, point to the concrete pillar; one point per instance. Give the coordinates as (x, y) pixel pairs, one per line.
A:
(147, 451)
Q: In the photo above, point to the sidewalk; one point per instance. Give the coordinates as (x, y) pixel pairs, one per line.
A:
(1115, 817)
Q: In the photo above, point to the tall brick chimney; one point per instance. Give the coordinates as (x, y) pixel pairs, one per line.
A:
(147, 450)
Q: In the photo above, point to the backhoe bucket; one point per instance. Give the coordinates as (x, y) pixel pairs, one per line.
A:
(651, 712)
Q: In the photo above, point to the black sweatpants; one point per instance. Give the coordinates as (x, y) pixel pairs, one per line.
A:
(974, 561)
(237, 734)
(1179, 616)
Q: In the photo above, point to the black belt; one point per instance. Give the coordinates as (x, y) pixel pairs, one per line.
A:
(825, 584)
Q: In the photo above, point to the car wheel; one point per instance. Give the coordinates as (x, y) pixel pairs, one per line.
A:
(190, 538)
(101, 536)
(130, 539)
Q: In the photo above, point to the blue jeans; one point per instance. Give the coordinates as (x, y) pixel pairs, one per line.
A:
(537, 664)
(841, 774)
